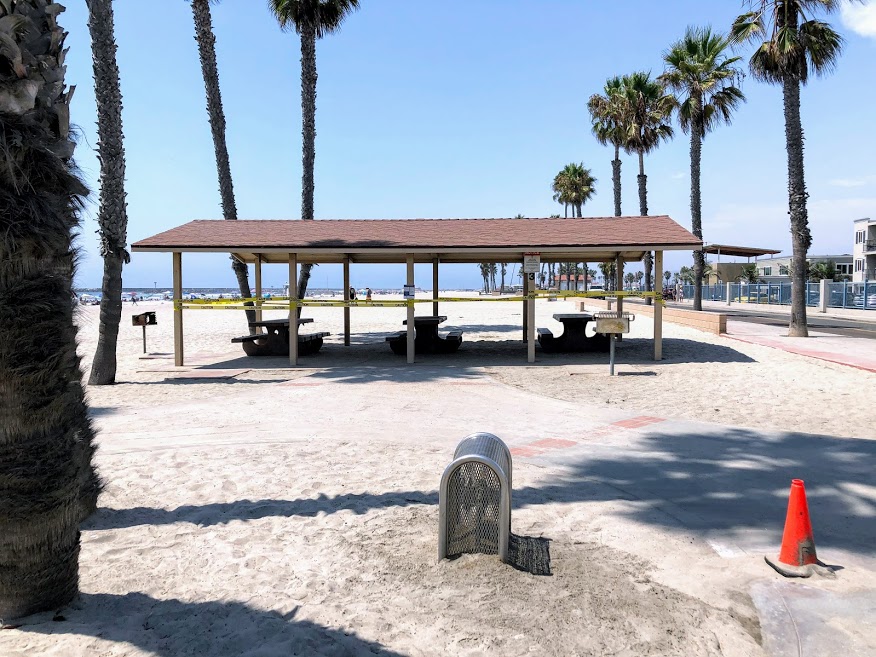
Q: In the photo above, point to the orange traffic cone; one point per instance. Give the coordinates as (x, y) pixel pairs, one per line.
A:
(797, 557)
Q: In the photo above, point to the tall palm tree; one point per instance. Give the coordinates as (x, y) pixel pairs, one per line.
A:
(574, 186)
(703, 77)
(793, 45)
(649, 110)
(47, 483)
(112, 216)
(210, 72)
(608, 125)
(312, 20)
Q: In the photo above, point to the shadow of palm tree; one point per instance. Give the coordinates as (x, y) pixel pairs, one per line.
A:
(173, 628)
(221, 513)
(718, 481)
(731, 483)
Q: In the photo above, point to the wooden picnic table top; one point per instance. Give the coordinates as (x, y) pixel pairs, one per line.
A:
(284, 321)
(428, 319)
(565, 317)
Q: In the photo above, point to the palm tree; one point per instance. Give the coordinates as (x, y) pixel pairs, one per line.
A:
(485, 274)
(666, 276)
(703, 77)
(210, 72)
(639, 276)
(823, 269)
(608, 270)
(112, 217)
(792, 46)
(749, 273)
(574, 186)
(47, 483)
(312, 20)
(649, 109)
(608, 125)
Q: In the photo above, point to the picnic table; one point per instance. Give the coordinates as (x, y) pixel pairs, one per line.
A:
(275, 340)
(574, 336)
(426, 338)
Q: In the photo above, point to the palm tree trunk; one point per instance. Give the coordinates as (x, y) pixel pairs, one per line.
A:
(210, 72)
(308, 136)
(112, 217)
(643, 211)
(801, 238)
(696, 205)
(616, 179)
(45, 433)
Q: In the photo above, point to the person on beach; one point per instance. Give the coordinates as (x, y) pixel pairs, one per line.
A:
(367, 294)
(133, 299)
(352, 293)
(679, 292)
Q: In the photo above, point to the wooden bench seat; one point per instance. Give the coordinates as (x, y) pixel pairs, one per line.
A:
(543, 332)
(250, 338)
(272, 344)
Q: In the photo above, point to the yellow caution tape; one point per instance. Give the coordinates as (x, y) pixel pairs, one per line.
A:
(272, 303)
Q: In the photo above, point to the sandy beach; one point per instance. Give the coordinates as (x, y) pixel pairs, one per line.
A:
(255, 510)
(702, 377)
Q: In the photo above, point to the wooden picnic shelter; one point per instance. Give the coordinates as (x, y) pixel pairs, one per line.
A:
(411, 241)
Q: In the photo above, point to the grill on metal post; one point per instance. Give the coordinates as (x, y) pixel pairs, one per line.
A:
(475, 499)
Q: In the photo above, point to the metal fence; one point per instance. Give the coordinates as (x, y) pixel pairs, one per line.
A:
(861, 296)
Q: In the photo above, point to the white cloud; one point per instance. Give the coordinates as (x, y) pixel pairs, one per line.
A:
(679, 175)
(862, 181)
(860, 18)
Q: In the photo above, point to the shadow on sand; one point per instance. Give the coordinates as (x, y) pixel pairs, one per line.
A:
(165, 628)
(731, 482)
(373, 361)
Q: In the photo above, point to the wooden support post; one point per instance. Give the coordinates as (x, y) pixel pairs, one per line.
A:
(530, 323)
(346, 298)
(410, 279)
(177, 310)
(258, 289)
(435, 286)
(658, 308)
(293, 310)
(526, 290)
(619, 285)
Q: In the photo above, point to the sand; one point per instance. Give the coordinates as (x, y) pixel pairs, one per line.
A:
(240, 518)
(702, 377)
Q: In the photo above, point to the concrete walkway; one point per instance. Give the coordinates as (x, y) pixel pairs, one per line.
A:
(853, 352)
(677, 482)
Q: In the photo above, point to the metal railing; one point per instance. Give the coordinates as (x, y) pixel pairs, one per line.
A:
(860, 296)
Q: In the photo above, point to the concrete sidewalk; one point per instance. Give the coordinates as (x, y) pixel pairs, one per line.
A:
(852, 352)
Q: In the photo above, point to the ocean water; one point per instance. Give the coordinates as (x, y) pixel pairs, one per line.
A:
(146, 292)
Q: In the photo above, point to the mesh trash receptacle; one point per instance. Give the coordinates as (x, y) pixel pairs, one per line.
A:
(475, 499)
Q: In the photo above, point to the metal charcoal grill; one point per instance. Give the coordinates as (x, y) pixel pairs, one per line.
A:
(475, 499)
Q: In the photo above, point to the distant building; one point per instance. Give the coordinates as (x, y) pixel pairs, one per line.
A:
(865, 250)
(778, 269)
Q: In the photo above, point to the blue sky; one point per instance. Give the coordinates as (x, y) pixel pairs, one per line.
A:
(463, 108)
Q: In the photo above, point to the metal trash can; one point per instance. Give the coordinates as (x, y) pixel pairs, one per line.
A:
(475, 499)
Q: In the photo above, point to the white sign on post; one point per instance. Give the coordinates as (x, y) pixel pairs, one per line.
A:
(409, 291)
(531, 263)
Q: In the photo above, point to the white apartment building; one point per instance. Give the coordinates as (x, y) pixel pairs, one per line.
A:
(777, 270)
(865, 250)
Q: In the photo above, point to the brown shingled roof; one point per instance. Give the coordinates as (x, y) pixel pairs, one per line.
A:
(627, 233)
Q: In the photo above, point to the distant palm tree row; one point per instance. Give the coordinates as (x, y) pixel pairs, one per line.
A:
(700, 85)
(634, 113)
